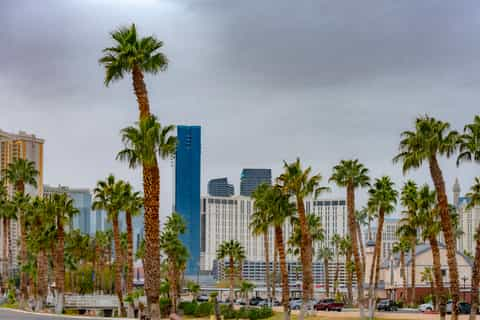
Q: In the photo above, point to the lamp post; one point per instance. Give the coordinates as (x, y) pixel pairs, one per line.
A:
(464, 278)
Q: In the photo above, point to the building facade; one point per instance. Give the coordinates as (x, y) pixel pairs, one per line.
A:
(228, 218)
(12, 147)
(250, 179)
(220, 188)
(82, 200)
(187, 190)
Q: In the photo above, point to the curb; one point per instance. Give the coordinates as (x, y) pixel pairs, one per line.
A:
(51, 315)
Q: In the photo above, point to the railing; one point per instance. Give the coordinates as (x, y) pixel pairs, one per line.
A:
(91, 302)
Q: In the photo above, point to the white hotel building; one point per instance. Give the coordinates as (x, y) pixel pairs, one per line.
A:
(227, 218)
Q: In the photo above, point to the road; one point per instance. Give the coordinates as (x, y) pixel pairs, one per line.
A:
(14, 315)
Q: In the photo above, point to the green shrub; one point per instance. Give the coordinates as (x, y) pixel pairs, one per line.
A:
(165, 306)
(242, 313)
(189, 308)
(203, 310)
(253, 314)
(228, 312)
(265, 312)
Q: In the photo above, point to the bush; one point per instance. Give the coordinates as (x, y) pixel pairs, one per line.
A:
(243, 313)
(203, 310)
(189, 308)
(265, 312)
(254, 314)
(165, 306)
(228, 312)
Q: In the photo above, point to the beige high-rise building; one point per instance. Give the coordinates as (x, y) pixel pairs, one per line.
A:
(15, 146)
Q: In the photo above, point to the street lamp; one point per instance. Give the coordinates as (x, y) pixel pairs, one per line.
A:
(464, 278)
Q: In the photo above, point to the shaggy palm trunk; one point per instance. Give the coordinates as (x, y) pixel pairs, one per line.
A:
(59, 267)
(267, 265)
(140, 92)
(327, 277)
(362, 250)
(172, 278)
(348, 263)
(274, 273)
(475, 278)
(337, 272)
(356, 256)
(306, 257)
(403, 273)
(118, 265)
(232, 279)
(283, 272)
(447, 228)
(23, 261)
(42, 279)
(375, 268)
(437, 273)
(378, 247)
(129, 285)
(414, 266)
(5, 254)
(151, 182)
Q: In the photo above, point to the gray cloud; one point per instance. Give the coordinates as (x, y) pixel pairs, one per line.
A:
(267, 80)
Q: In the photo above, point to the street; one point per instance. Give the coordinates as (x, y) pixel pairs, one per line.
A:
(6, 314)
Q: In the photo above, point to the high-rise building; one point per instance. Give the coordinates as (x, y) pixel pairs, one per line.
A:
(82, 200)
(13, 147)
(220, 188)
(228, 218)
(250, 179)
(187, 190)
(468, 219)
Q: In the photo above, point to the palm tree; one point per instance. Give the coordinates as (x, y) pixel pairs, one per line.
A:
(132, 204)
(326, 254)
(194, 289)
(298, 182)
(7, 213)
(142, 143)
(409, 225)
(63, 210)
(346, 251)
(401, 247)
(336, 241)
(22, 172)
(230, 249)
(362, 218)
(314, 227)
(430, 224)
(260, 225)
(245, 288)
(427, 277)
(351, 174)
(430, 139)
(470, 142)
(109, 196)
(474, 196)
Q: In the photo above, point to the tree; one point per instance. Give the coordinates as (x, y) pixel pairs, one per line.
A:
(470, 142)
(427, 277)
(7, 213)
(401, 247)
(430, 224)
(351, 174)
(260, 225)
(194, 289)
(430, 139)
(474, 196)
(336, 242)
(142, 143)
(109, 196)
(231, 249)
(346, 251)
(300, 183)
(245, 288)
(22, 172)
(409, 225)
(325, 254)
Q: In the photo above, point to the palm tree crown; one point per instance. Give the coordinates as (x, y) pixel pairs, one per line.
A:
(470, 142)
(21, 172)
(298, 182)
(474, 194)
(350, 172)
(383, 196)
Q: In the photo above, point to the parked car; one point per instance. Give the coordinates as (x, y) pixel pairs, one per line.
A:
(295, 304)
(241, 302)
(463, 307)
(328, 305)
(425, 307)
(386, 305)
(202, 298)
(255, 301)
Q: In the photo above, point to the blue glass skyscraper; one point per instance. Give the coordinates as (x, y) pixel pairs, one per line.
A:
(187, 190)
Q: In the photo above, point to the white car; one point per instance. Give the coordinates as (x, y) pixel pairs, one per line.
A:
(425, 307)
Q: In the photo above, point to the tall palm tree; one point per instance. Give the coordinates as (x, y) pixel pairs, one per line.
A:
(7, 213)
(109, 196)
(336, 241)
(299, 183)
(430, 224)
(351, 174)
(409, 225)
(22, 172)
(362, 218)
(430, 139)
(346, 251)
(281, 211)
(315, 228)
(401, 247)
(230, 249)
(142, 143)
(260, 225)
(132, 204)
(63, 210)
(474, 196)
(470, 142)
(325, 254)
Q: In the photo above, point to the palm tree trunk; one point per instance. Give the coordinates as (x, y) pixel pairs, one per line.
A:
(337, 272)
(274, 273)
(267, 265)
(6, 223)
(23, 261)
(414, 266)
(403, 273)
(475, 278)
(283, 272)
(42, 279)
(60, 267)
(378, 246)
(140, 92)
(356, 256)
(362, 250)
(306, 257)
(232, 279)
(118, 266)
(327, 277)
(447, 228)
(173, 284)
(151, 182)
(348, 262)
(129, 280)
(437, 273)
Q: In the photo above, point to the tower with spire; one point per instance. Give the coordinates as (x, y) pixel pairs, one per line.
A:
(456, 192)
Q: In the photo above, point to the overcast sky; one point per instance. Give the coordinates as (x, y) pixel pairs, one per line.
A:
(267, 81)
